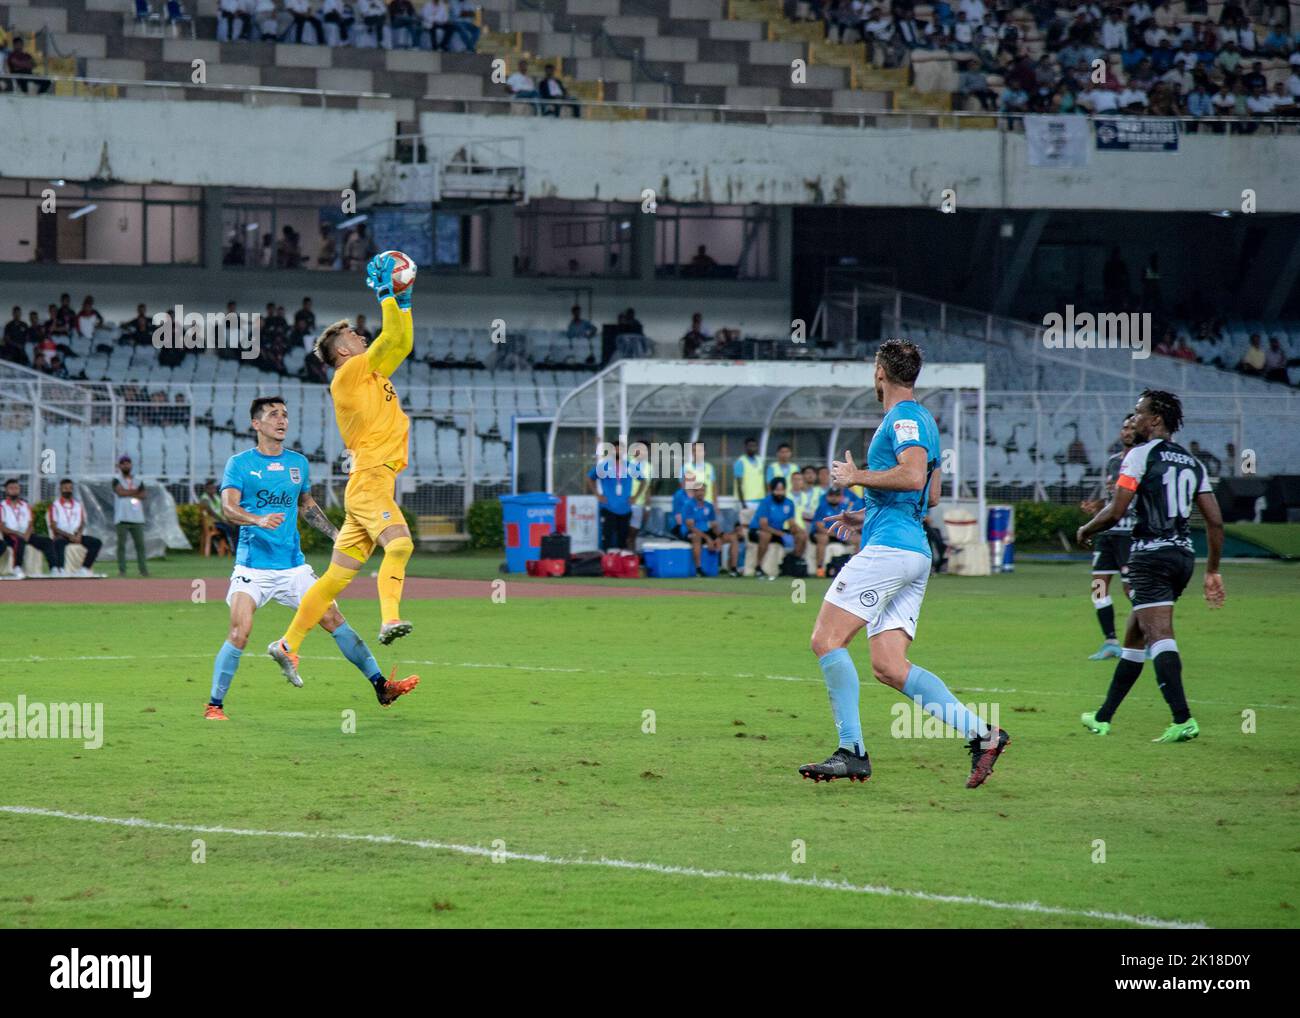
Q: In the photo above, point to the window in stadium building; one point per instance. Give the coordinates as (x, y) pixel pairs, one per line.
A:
(568, 238)
(99, 224)
(714, 241)
(308, 230)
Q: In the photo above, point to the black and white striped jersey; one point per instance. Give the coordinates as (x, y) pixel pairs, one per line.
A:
(1109, 479)
(1165, 480)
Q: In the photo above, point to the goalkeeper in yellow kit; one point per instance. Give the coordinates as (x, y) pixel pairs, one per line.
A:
(374, 430)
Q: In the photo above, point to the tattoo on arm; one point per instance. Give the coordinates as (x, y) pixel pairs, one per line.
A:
(314, 516)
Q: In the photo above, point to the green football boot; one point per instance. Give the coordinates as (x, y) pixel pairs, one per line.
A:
(1091, 723)
(1185, 732)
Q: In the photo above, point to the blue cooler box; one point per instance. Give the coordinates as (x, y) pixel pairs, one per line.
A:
(709, 562)
(669, 563)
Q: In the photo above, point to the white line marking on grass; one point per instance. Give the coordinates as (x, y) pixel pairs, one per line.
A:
(38, 659)
(623, 864)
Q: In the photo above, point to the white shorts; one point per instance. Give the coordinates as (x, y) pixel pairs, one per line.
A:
(883, 587)
(285, 585)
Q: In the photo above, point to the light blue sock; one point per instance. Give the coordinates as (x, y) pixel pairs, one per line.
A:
(937, 700)
(223, 671)
(355, 650)
(841, 677)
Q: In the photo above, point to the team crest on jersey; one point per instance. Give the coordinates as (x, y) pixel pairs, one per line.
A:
(907, 431)
(295, 475)
(869, 598)
(387, 515)
(275, 466)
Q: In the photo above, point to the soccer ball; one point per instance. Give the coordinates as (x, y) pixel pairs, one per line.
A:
(403, 270)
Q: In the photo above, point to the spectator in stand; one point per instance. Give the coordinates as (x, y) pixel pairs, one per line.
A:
(401, 15)
(552, 88)
(974, 82)
(1254, 359)
(357, 248)
(66, 522)
(88, 319)
(56, 367)
(128, 515)
(521, 86)
(1284, 103)
(327, 248)
(373, 14)
(361, 330)
(1275, 361)
(16, 330)
(1255, 77)
(17, 527)
(13, 346)
(975, 11)
(1199, 102)
(631, 335)
(138, 330)
(579, 327)
(20, 62)
(340, 15)
(1114, 32)
(300, 11)
(65, 315)
(1211, 462)
(435, 16)
(305, 317)
(462, 23)
(963, 32)
(235, 15)
(266, 21)
(1183, 350)
(697, 336)
(288, 252)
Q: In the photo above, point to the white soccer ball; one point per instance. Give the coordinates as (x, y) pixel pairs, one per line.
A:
(404, 269)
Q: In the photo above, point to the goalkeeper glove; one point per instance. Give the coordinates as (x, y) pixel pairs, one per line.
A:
(379, 276)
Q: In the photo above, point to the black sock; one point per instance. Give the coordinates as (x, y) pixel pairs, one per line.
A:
(1126, 673)
(1169, 676)
(377, 680)
(213, 703)
(1106, 616)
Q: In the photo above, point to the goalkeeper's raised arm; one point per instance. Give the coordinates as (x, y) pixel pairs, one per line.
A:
(397, 335)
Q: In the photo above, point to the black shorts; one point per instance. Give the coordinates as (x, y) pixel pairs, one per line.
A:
(1110, 554)
(1159, 576)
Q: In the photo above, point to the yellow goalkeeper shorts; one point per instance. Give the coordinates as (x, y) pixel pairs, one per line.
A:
(370, 509)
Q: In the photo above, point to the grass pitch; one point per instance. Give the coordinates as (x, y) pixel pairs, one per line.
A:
(527, 737)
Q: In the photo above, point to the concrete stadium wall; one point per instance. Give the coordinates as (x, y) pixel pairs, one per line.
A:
(297, 147)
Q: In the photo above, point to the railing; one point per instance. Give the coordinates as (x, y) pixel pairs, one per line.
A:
(719, 112)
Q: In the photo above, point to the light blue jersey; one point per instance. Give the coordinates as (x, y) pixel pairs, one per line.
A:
(893, 518)
(268, 484)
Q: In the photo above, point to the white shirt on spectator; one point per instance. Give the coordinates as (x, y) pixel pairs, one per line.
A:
(520, 82)
(1225, 103)
(975, 10)
(1139, 12)
(66, 515)
(1246, 39)
(1131, 95)
(1260, 105)
(1293, 85)
(127, 508)
(963, 32)
(298, 6)
(1114, 35)
(16, 516)
(1101, 100)
(435, 13)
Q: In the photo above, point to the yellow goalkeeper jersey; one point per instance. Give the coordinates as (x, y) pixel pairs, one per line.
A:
(369, 414)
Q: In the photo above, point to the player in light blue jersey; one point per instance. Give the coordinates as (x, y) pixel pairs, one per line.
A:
(882, 586)
(265, 491)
